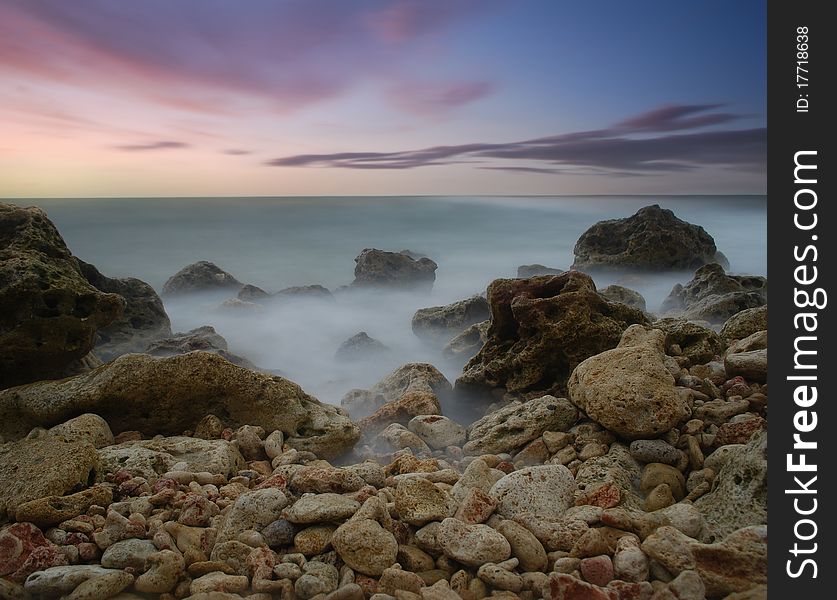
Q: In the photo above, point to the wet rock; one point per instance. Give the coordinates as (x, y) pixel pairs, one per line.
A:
(714, 296)
(202, 276)
(617, 293)
(380, 269)
(49, 313)
(438, 432)
(472, 545)
(162, 396)
(360, 347)
(365, 546)
(629, 390)
(744, 324)
(440, 324)
(519, 423)
(49, 511)
(653, 239)
(536, 270)
(34, 468)
(544, 491)
(541, 328)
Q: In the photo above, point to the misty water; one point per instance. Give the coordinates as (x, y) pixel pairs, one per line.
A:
(275, 243)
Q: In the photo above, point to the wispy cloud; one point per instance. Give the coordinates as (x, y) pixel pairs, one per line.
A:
(438, 98)
(159, 145)
(616, 150)
(237, 152)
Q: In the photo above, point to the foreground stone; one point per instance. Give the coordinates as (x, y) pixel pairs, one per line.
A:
(164, 396)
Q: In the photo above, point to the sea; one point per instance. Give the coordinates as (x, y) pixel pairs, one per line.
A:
(278, 242)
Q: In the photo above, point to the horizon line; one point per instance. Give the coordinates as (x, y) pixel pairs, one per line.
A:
(755, 194)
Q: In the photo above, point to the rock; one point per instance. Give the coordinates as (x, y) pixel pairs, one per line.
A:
(202, 276)
(102, 586)
(472, 545)
(255, 509)
(697, 344)
(321, 480)
(381, 269)
(617, 293)
(629, 561)
(152, 458)
(525, 547)
(597, 570)
(88, 427)
(653, 239)
(303, 292)
(128, 553)
(34, 468)
(49, 313)
(163, 395)
(656, 473)
(219, 582)
(519, 423)
(418, 502)
(739, 496)
(20, 546)
(279, 533)
(365, 546)
(658, 498)
(714, 296)
(203, 338)
(752, 365)
(499, 578)
(360, 347)
(143, 320)
(541, 328)
(315, 540)
(252, 293)
(561, 586)
(162, 570)
(629, 390)
(398, 397)
(616, 469)
(465, 345)
(755, 341)
(476, 475)
(544, 491)
(744, 324)
(317, 578)
(439, 324)
(688, 586)
(58, 581)
(322, 508)
(736, 564)
(437, 431)
(51, 510)
(655, 451)
(476, 506)
(536, 270)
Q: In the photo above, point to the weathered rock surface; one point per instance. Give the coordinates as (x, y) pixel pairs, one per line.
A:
(618, 293)
(252, 293)
(202, 276)
(365, 546)
(751, 365)
(628, 389)
(378, 268)
(163, 396)
(440, 324)
(438, 432)
(744, 324)
(304, 292)
(541, 329)
(714, 296)
(653, 239)
(143, 321)
(464, 346)
(205, 339)
(519, 423)
(49, 511)
(536, 270)
(544, 491)
(472, 545)
(49, 313)
(360, 347)
(698, 345)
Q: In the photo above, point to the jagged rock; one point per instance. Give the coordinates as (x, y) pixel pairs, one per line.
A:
(49, 313)
(698, 344)
(252, 293)
(378, 268)
(49, 511)
(438, 432)
(464, 346)
(163, 395)
(360, 347)
(519, 423)
(414, 383)
(43, 466)
(541, 328)
(744, 324)
(536, 270)
(617, 293)
(143, 321)
(629, 390)
(714, 296)
(739, 494)
(202, 276)
(440, 324)
(203, 338)
(653, 239)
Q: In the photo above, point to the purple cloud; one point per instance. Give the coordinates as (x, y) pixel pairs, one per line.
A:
(613, 151)
(160, 145)
(436, 98)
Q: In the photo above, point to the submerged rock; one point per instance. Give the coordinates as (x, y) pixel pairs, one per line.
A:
(312, 292)
(407, 381)
(441, 323)
(360, 347)
(164, 396)
(653, 239)
(49, 313)
(202, 276)
(378, 268)
(541, 328)
(204, 338)
(252, 293)
(617, 293)
(536, 270)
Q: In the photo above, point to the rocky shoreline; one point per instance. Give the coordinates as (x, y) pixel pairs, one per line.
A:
(589, 450)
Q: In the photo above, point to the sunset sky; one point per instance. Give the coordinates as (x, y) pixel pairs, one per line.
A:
(297, 97)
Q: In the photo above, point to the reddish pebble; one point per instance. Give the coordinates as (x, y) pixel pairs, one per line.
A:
(597, 570)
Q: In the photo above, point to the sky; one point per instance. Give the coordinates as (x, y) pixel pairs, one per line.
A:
(385, 97)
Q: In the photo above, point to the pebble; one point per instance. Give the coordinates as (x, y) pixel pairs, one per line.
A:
(597, 570)
(365, 546)
(219, 582)
(544, 491)
(472, 545)
(659, 497)
(102, 586)
(654, 451)
(525, 547)
(656, 473)
(162, 572)
(476, 507)
(418, 501)
(128, 553)
(314, 540)
(317, 578)
(322, 508)
(500, 578)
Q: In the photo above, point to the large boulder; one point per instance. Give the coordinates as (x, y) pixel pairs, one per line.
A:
(441, 323)
(714, 296)
(202, 276)
(381, 269)
(653, 239)
(204, 338)
(49, 313)
(46, 465)
(629, 389)
(541, 328)
(143, 321)
(410, 380)
(168, 395)
(360, 347)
